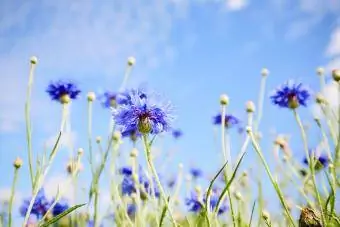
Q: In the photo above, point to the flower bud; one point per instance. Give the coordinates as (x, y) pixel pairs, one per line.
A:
(280, 141)
(248, 129)
(135, 177)
(91, 96)
(336, 75)
(238, 196)
(65, 99)
(250, 107)
(198, 189)
(320, 99)
(80, 151)
(98, 139)
(17, 163)
(34, 60)
(265, 215)
(264, 72)
(224, 99)
(134, 153)
(131, 61)
(117, 136)
(144, 126)
(320, 71)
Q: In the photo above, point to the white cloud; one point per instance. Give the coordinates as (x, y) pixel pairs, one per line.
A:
(334, 45)
(67, 140)
(5, 194)
(333, 64)
(61, 182)
(235, 5)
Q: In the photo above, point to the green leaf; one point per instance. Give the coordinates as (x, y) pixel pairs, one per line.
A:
(252, 213)
(56, 218)
(211, 184)
(229, 183)
(163, 213)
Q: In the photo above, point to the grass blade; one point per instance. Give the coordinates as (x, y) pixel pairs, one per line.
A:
(163, 213)
(228, 184)
(252, 213)
(56, 218)
(211, 184)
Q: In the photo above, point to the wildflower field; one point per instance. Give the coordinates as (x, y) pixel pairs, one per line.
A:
(140, 197)
(126, 168)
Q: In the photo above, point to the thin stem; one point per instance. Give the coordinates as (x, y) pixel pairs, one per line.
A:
(311, 163)
(12, 196)
(89, 131)
(126, 77)
(28, 123)
(154, 173)
(275, 185)
(260, 103)
(95, 216)
(40, 177)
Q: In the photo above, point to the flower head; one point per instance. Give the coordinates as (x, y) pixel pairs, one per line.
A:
(40, 205)
(59, 207)
(126, 171)
(322, 160)
(196, 172)
(195, 204)
(62, 91)
(177, 133)
(229, 120)
(142, 115)
(290, 95)
(108, 99)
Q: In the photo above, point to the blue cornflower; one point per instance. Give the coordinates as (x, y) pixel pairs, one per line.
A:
(134, 134)
(126, 171)
(177, 133)
(126, 97)
(229, 120)
(59, 207)
(131, 209)
(142, 115)
(171, 183)
(195, 205)
(195, 172)
(128, 186)
(109, 99)
(322, 160)
(290, 95)
(62, 91)
(40, 205)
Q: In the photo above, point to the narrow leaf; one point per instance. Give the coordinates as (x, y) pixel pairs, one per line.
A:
(252, 213)
(56, 218)
(228, 184)
(211, 184)
(163, 213)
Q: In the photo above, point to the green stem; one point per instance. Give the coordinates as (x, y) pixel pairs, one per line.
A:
(154, 173)
(12, 197)
(89, 131)
(260, 103)
(275, 185)
(95, 216)
(126, 77)
(28, 123)
(311, 164)
(40, 177)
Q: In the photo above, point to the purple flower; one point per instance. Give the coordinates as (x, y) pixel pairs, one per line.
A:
(59, 207)
(40, 205)
(195, 172)
(60, 89)
(322, 160)
(290, 95)
(126, 171)
(229, 120)
(195, 205)
(143, 115)
(109, 99)
(177, 133)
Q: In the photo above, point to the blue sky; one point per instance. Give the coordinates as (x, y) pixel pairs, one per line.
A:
(191, 51)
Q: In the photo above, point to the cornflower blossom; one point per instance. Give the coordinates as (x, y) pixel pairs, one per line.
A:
(229, 120)
(40, 205)
(140, 113)
(177, 133)
(196, 173)
(195, 204)
(62, 91)
(109, 99)
(59, 207)
(290, 95)
(322, 160)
